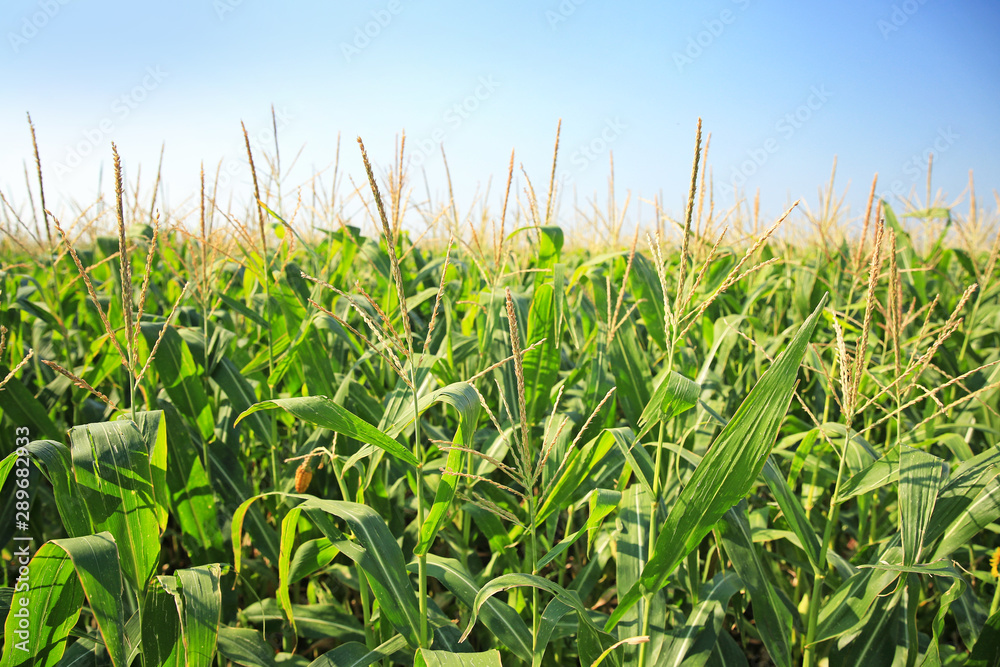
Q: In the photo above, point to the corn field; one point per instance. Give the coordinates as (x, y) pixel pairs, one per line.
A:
(290, 435)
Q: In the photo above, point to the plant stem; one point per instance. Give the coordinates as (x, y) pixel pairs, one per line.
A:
(422, 558)
(535, 617)
(370, 640)
(131, 392)
(656, 473)
(693, 568)
(809, 659)
(912, 600)
(565, 556)
(647, 600)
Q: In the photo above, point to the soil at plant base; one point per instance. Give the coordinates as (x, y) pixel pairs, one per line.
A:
(756, 653)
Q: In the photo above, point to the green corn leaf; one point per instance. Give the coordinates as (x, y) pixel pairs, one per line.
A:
(310, 557)
(398, 404)
(876, 475)
(507, 581)
(54, 597)
(773, 619)
(192, 501)
(673, 395)
(941, 568)
(464, 399)
(693, 643)
(601, 502)
(428, 658)
(802, 453)
(324, 620)
(498, 617)
(245, 647)
(632, 552)
(935, 212)
(112, 465)
(54, 589)
(794, 513)
(154, 433)
(727, 653)
(238, 306)
(875, 643)
(289, 528)
(580, 464)
(202, 596)
(314, 621)
(724, 338)
(630, 366)
(981, 512)
(56, 462)
(594, 646)
(636, 455)
(133, 637)
(921, 475)
(645, 285)
(541, 364)
(241, 397)
(21, 407)
(586, 267)
(550, 243)
(179, 375)
(496, 534)
(353, 654)
(322, 411)
(728, 470)
(229, 480)
(549, 622)
(383, 560)
(986, 652)
(852, 604)
(970, 616)
(964, 485)
(197, 598)
(933, 653)
(162, 643)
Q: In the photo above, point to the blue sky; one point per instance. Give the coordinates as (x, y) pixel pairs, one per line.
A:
(782, 87)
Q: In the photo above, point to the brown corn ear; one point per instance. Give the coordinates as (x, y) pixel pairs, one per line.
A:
(303, 476)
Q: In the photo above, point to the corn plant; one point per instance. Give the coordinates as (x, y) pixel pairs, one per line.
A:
(365, 429)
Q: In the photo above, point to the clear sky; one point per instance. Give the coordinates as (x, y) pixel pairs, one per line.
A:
(782, 87)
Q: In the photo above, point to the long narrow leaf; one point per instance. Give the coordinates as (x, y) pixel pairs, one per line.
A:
(53, 597)
(727, 472)
(773, 619)
(322, 411)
